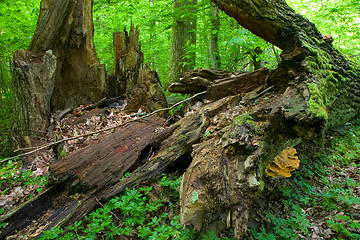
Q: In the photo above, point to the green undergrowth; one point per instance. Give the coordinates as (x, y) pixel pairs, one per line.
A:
(146, 212)
(321, 194)
(14, 181)
(17, 185)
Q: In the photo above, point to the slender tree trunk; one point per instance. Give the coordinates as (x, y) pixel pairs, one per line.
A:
(153, 41)
(182, 56)
(215, 62)
(256, 61)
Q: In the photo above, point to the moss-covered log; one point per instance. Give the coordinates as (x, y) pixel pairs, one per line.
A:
(314, 88)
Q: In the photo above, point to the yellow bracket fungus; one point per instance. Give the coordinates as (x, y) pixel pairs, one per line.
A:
(283, 163)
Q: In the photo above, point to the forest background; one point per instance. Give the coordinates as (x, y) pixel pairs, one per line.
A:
(156, 20)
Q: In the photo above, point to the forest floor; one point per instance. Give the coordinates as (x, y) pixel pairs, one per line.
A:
(320, 201)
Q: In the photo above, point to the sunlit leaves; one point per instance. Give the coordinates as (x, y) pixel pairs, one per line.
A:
(340, 18)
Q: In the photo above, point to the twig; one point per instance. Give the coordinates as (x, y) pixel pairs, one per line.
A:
(103, 130)
(102, 205)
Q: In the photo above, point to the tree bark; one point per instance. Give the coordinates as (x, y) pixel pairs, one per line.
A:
(128, 58)
(140, 85)
(32, 84)
(66, 28)
(215, 61)
(183, 38)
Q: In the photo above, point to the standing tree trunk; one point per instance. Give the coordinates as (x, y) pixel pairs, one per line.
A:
(60, 68)
(182, 56)
(66, 27)
(215, 62)
(128, 58)
(256, 61)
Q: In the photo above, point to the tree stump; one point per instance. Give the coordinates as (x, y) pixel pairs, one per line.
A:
(128, 58)
(66, 28)
(141, 86)
(32, 84)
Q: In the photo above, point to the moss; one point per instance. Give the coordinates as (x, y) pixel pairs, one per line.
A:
(62, 154)
(244, 118)
(324, 89)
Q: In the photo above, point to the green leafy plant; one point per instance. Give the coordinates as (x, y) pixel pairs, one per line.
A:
(131, 214)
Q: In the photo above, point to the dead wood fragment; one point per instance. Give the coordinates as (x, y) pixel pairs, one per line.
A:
(104, 163)
(197, 80)
(243, 83)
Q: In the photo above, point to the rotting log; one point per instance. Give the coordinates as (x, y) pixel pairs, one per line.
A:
(314, 88)
(218, 84)
(197, 80)
(104, 163)
(89, 171)
(242, 83)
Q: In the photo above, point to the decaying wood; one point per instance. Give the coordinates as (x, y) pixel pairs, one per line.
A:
(38, 148)
(104, 163)
(147, 94)
(132, 77)
(242, 83)
(59, 70)
(95, 168)
(66, 28)
(219, 84)
(227, 145)
(197, 80)
(128, 57)
(31, 209)
(311, 87)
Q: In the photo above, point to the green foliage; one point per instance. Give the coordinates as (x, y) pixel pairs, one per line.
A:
(341, 226)
(11, 176)
(210, 236)
(335, 17)
(131, 214)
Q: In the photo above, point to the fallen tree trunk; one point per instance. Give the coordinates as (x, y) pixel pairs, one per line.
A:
(313, 88)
